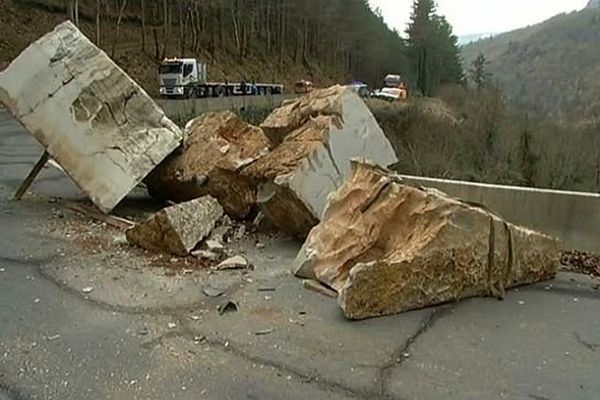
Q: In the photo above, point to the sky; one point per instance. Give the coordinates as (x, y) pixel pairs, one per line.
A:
(470, 17)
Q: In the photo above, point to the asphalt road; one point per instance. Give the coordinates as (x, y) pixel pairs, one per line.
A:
(145, 332)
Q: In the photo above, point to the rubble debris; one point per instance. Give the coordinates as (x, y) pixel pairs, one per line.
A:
(212, 291)
(111, 220)
(332, 127)
(87, 290)
(581, 262)
(95, 121)
(264, 332)
(239, 232)
(215, 246)
(218, 146)
(227, 306)
(177, 229)
(235, 262)
(318, 287)
(223, 231)
(206, 255)
(386, 247)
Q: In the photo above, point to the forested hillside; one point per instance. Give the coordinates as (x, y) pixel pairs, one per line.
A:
(283, 40)
(552, 68)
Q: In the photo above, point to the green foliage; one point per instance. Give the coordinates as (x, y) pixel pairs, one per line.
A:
(472, 135)
(432, 48)
(551, 69)
(478, 73)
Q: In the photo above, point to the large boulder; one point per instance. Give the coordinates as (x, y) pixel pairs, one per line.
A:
(387, 247)
(177, 229)
(218, 146)
(329, 129)
(95, 121)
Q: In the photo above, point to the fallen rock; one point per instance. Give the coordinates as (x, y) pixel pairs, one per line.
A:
(332, 127)
(206, 255)
(215, 246)
(218, 146)
(386, 247)
(95, 121)
(235, 262)
(177, 229)
(296, 112)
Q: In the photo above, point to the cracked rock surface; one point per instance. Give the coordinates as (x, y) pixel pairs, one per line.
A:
(94, 120)
(387, 248)
(322, 133)
(177, 229)
(218, 146)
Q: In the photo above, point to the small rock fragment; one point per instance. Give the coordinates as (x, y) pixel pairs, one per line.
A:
(235, 262)
(215, 246)
(177, 229)
(206, 255)
(87, 290)
(240, 232)
(228, 306)
(172, 325)
(264, 332)
(212, 291)
(318, 287)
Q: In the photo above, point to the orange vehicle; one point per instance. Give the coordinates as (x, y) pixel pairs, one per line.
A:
(394, 89)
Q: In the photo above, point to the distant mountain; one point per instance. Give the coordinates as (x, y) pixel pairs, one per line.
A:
(466, 39)
(594, 4)
(551, 68)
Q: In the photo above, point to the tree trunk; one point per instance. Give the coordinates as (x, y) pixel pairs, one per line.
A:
(165, 28)
(121, 10)
(98, 9)
(143, 14)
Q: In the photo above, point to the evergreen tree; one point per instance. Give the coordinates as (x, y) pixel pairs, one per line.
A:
(479, 73)
(432, 48)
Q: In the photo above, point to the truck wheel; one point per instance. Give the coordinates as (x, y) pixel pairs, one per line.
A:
(269, 91)
(191, 93)
(219, 91)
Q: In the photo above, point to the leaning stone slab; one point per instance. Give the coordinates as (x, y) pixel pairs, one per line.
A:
(314, 160)
(218, 146)
(386, 247)
(177, 229)
(94, 120)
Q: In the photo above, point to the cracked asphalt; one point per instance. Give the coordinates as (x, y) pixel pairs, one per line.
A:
(146, 331)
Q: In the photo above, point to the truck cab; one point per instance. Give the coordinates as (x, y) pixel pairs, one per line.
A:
(177, 77)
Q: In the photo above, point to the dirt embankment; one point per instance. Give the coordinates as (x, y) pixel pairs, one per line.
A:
(23, 21)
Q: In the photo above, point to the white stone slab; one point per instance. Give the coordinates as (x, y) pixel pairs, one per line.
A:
(94, 120)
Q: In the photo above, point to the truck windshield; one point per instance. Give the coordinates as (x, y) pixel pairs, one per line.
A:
(171, 68)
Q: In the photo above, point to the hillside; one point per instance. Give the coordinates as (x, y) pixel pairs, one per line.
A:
(262, 40)
(552, 68)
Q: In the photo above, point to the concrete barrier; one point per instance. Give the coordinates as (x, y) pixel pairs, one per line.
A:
(184, 109)
(573, 217)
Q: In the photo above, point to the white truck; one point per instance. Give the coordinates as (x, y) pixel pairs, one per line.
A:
(186, 78)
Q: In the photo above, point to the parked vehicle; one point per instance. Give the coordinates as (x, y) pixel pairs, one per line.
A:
(394, 89)
(360, 88)
(187, 77)
(391, 94)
